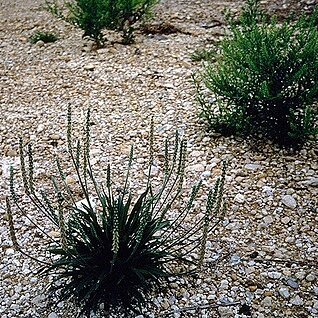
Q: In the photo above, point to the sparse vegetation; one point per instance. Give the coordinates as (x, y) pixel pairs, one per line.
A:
(46, 37)
(203, 55)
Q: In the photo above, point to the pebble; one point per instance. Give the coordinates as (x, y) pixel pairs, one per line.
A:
(89, 67)
(54, 315)
(11, 153)
(252, 288)
(311, 181)
(289, 201)
(267, 301)
(235, 259)
(224, 284)
(206, 174)
(310, 277)
(285, 220)
(197, 168)
(55, 136)
(252, 166)
(268, 219)
(10, 251)
(40, 128)
(39, 300)
(268, 190)
(274, 275)
(300, 275)
(165, 304)
(284, 292)
(69, 180)
(239, 198)
(225, 312)
(39, 43)
(297, 301)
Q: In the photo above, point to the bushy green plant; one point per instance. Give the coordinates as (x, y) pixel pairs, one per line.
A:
(94, 16)
(264, 81)
(115, 250)
(46, 37)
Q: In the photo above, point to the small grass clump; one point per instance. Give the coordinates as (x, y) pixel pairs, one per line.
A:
(113, 249)
(46, 37)
(203, 55)
(264, 81)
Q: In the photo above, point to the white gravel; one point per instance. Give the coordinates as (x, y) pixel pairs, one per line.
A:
(265, 252)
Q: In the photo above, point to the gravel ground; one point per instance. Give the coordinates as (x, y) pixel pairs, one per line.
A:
(263, 255)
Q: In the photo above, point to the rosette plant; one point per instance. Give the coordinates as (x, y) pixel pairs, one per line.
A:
(114, 250)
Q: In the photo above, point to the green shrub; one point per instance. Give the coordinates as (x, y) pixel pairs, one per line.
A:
(264, 81)
(118, 251)
(46, 37)
(94, 16)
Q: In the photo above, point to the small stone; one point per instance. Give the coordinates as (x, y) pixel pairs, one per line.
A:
(267, 301)
(284, 292)
(154, 171)
(234, 276)
(11, 153)
(89, 67)
(224, 284)
(168, 85)
(39, 43)
(285, 220)
(54, 315)
(197, 168)
(235, 259)
(39, 300)
(40, 128)
(252, 166)
(241, 173)
(55, 234)
(165, 304)
(10, 251)
(268, 219)
(300, 275)
(55, 136)
(206, 174)
(268, 190)
(310, 277)
(311, 181)
(174, 285)
(239, 198)
(297, 301)
(196, 153)
(252, 288)
(292, 283)
(289, 201)
(289, 239)
(268, 293)
(274, 275)
(69, 180)
(225, 312)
